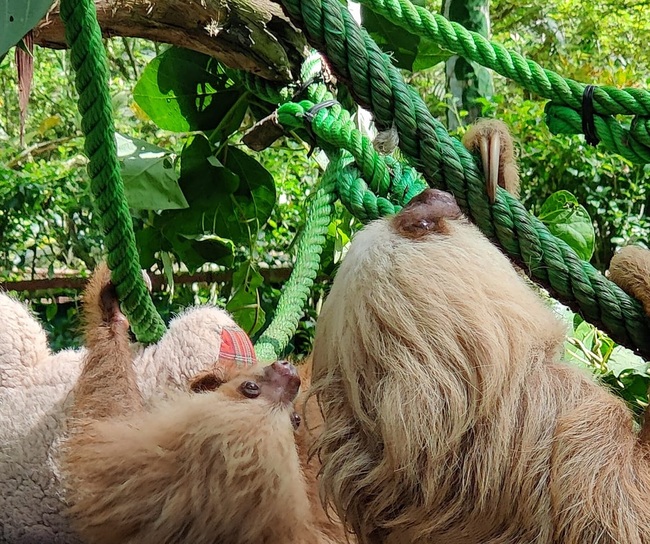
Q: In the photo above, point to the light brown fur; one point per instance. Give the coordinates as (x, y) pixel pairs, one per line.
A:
(214, 467)
(450, 417)
(630, 269)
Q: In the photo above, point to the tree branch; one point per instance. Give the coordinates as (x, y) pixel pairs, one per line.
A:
(252, 35)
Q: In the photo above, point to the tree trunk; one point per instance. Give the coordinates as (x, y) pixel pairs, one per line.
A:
(252, 35)
(467, 81)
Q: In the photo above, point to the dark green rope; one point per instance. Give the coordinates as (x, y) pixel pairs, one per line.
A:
(629, 143)
(88, 56)
(565, 93)
(378, 85)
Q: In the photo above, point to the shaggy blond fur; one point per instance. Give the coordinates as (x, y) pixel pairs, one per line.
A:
(449, 416)
(215, 467)
(630, 269)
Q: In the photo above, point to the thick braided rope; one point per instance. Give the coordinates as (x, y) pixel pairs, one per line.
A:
(88, 56)
(527, 73)
(381, 185)
(295, 292)
(342, 178)
(563, 92)
(297, 288)
(630, 144)
(377, 84)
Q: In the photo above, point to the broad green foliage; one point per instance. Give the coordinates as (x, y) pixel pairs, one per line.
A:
(228, 195)
(568, 220)
(150, 179)
(409, 51)
(182, 90)
(17, 18)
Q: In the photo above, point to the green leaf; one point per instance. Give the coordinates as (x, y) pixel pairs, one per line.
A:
(168, 270)
(429, 53)
(197, 250)
(230, 197)
(255, 196)
(150, 179)
(149, 243)
(50, 311)
(569, 221)
(623, 361)
(231, 120)
(198, 163)
(409, 51)
(17, 18)
(183, 90)
(244, 305)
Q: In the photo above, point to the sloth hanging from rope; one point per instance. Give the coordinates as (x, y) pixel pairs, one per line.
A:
(450, 416)
(227, 465)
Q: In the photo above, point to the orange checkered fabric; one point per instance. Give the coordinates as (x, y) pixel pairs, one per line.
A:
(236, 347)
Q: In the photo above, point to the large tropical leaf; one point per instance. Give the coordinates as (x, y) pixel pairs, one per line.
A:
(183, 90)
(17, 18)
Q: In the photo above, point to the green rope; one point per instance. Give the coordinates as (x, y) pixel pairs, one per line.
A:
(393, 183)
(343, 177)
(527, 73)
(630, 144)
(295, 292)
(378, 85)
(271, 92)
(89, 62)
(297, 288)
(565, 93)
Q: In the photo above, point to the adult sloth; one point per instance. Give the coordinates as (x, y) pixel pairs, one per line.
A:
(449, 415)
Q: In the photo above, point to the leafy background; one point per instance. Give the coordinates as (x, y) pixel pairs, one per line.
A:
(201, 201)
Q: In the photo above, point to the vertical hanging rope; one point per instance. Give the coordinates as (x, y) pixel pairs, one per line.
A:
(88, 57)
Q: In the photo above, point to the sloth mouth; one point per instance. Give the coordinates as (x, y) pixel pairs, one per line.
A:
(295, 420)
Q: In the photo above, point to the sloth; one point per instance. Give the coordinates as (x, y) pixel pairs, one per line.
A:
(220, 464)
(449, 414)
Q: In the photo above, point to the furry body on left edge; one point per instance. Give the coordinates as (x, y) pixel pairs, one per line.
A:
(36, 401)
(450, 417)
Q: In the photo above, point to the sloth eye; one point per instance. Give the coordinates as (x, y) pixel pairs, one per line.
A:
(250, 389)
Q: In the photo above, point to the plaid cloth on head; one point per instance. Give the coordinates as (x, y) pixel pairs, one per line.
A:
(236, 347)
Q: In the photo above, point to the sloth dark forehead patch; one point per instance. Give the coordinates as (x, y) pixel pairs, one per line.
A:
(426, 213)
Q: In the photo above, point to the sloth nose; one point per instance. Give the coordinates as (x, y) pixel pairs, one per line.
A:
(285, 376)
(285, 368)
(426, 213)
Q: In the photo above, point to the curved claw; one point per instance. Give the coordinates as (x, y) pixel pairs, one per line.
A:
(492, 139)
(490, 147)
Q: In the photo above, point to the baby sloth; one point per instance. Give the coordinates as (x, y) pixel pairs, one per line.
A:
(221, 466)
